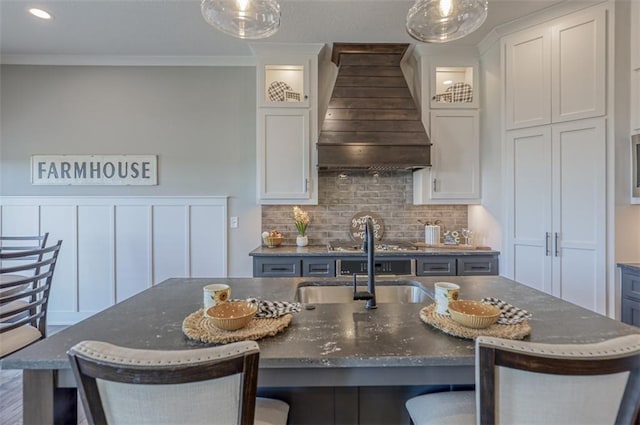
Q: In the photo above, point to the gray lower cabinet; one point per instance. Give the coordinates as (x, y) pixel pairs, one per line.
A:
(477, 265)
(431, 265)
(319, 267)
(277, 266)
(630, 295)
(436, 266)
(280, 266)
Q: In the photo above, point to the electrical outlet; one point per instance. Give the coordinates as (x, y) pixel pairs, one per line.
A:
(234, 222)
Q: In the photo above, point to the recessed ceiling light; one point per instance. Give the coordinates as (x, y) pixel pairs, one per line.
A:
(39, 13)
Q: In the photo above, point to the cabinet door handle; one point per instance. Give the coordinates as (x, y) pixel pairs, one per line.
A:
(434, 185)
(547, 238)
(556, 238)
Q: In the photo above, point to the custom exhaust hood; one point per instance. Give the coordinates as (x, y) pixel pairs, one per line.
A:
(372, 121)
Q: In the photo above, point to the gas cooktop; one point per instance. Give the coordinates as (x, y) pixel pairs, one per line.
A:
(350, 246)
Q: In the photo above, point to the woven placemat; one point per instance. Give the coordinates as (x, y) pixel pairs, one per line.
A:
(198, 327)
(447, 325)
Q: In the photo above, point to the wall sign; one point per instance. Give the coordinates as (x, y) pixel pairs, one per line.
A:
(358, 226)
(103, 170)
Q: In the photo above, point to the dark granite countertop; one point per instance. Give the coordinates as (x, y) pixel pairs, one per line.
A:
(635, 267)
(321, 251)
(330, 336)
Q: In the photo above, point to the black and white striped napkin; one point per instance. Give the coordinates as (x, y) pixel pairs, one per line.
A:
(273, 309)
(509, 314)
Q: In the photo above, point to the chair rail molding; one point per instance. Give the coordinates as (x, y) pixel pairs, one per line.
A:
(115, 247)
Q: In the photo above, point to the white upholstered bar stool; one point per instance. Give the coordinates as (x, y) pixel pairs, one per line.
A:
(521, 382)
(214, 385)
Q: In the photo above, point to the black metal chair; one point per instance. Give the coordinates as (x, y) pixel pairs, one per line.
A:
(214, 385)
(520, 382)
(18, 244)
(23, 305)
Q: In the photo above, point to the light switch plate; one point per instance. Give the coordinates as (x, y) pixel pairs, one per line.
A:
(234, 222)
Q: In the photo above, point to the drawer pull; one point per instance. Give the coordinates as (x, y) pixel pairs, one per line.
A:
(438, 268)
(479, 268)
(280, 269)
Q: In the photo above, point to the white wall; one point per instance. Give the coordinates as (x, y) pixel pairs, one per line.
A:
(200, 121)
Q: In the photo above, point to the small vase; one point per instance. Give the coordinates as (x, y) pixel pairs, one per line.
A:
(302, 240)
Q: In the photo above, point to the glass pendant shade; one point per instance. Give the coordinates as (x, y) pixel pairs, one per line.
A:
(439, 21)
(250, 19)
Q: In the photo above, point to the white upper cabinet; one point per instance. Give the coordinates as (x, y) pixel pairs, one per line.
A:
(286, 123)
(578, 67)
(454, 176)
(454, 83)
(283, 154)
(283, 82)
(556, 72)
(528, 78)
(451, 83)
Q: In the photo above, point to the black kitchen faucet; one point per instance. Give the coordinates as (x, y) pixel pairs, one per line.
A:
(369, 246)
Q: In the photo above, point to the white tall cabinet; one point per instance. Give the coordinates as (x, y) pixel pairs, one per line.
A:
(287, 125)
(557, 202)
(556, 157)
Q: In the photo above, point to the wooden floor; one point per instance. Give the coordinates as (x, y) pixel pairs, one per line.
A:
(11, 395)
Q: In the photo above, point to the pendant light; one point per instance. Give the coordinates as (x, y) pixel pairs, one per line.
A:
(439, 21)
(251, 19)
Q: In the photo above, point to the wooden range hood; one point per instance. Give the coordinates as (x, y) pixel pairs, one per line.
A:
(372, 121)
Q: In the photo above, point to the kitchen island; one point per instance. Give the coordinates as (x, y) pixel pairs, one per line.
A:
(353, 365)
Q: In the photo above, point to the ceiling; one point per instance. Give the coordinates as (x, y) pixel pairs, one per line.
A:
(176, 27)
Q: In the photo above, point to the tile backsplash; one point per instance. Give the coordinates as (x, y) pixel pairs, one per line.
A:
(390, 195)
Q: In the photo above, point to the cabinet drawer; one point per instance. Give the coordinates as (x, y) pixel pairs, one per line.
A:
(477, 266)
(318, 267)
(276, 267)
(630, 285)
(631, 311)
(436, 266)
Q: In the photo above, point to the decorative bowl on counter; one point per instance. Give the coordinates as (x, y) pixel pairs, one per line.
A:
(473, 314)
(232, 315)
(272, 241)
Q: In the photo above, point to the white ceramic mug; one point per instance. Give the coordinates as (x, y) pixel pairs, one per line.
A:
(445, 292)
(215, 294)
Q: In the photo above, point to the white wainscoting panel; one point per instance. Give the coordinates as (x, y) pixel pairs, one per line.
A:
(133, 250)
(115, 247)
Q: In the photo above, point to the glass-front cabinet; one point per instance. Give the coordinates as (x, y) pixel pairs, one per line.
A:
(454, 84)
(284, 83)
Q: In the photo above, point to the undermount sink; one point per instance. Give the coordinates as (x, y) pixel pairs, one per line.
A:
(387, 292)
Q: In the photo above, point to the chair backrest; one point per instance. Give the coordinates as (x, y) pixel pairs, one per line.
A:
(29, 282)
(524, 382)
(215, 385)
(23, 243)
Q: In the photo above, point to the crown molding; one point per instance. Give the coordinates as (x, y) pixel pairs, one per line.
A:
(266, 49)
(112, 60)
